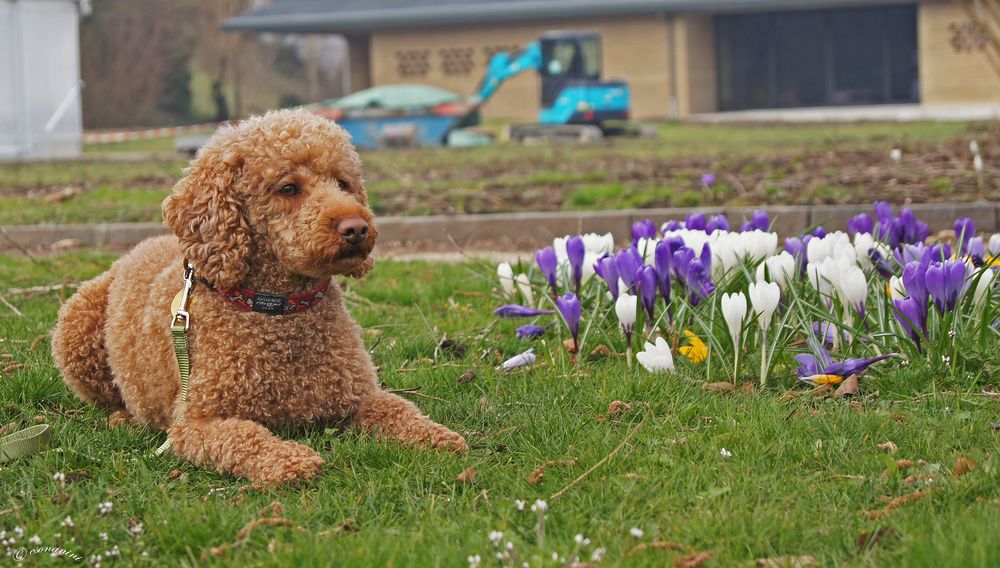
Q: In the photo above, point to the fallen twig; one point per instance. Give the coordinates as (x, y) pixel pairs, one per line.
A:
(604, 460)
(897, 502)
(16, 311)
(40, 289)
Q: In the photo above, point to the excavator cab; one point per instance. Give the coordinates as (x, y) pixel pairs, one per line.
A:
(572, 89)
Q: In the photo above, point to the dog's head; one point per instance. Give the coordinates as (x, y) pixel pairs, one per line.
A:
(286, 184)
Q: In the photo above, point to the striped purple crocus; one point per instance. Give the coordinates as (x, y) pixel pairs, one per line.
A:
(548, 263)
(570, 310)
(575, 252)
(945, 281)
(606, 268)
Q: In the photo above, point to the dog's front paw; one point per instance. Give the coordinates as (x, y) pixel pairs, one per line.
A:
(289, 461)
(445, 439)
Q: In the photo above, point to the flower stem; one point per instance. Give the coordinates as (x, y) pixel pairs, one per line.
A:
(763, 359)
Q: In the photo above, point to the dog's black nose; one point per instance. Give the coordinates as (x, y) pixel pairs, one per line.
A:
(353, 230)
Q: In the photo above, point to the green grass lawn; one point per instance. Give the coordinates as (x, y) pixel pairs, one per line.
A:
(803, 478)
(754, 165)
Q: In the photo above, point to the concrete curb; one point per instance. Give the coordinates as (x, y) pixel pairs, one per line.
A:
(528, 229)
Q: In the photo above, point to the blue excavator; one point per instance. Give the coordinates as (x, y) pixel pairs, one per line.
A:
(576, 102)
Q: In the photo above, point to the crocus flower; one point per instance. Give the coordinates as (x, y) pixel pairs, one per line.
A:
(911, 229)
(823, 370)
(759, 221)
(797, 248)
(897, 290)
(530, 331)
(695, 351)
(516, 311)
(994, 245)
(717, 223)
(965, 229)
(984, 285)
(708, 179)
(662, 260)
(819, 232)
(910, 316)
(575, 251)
(699, 282)
(671, 226)
(648, 283)
(606, 268)
(548, 263)
(945, 281)
(779, 269)
(695, 222)
(896, 155)
(627, 261)
(644, 229)
(521, 280)
(734, 309)
(764, 297)
(625, 309)
(862, 223)
(827, 333)
(976, 250)
(852, 288)
(521, 360)
(506, 275)
(570, 310)
(977, 164)
(656, 358)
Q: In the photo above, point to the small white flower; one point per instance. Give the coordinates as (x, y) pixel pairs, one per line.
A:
(136, 528)
(59, 476)
(656, 358)
(67, 522)
(113, 553)
(510, 546)
(579, 539)
(636, 532)
(896, 155)
(539, 506)
(35, 540)
(734, 309)
(598, 554)
(974, 147)
(994, 244)
(103, 536)
(474, 561)
(506, 275)
(977, 163)
(19, 532)
(726, 454)
(496, 537)
(104, 507)
(555, 555)
(519, 505)
(525, 287)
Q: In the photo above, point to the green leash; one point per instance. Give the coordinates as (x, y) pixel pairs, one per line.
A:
(25, 442)
(179, 323)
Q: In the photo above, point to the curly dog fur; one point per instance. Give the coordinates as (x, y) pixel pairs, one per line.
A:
(259, 207)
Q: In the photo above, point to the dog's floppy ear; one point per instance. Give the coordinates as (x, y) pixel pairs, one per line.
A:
(207, 218)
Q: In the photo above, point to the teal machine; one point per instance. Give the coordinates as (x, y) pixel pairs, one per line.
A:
(573, 93)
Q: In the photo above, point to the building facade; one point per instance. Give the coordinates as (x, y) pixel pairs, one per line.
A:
(680, 57)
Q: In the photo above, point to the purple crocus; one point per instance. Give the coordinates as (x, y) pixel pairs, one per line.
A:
(759, 221)
(647, 290)
(819, 232)
(644, 229)
(911, 229)
(708, 179)
(965, 229)
(530, 331)
(944, 282)
(517, 311)
(911, 317)
(680, 261)
(862, 223)
(797, 248)
(628, 261)
(822, 369)
(695, 222)
(570, 310)
(575, 251)
(548, 263)
(606, 268)
(699, 281)
(671, 225)
(717, 223)
(976, 249)
(662, 260)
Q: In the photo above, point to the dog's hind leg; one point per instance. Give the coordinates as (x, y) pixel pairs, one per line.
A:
(78, 345)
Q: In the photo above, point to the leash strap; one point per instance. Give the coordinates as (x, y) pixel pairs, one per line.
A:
(179, 323)
(24, 442)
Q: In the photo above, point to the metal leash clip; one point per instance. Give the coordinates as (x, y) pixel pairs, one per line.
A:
(180, 315)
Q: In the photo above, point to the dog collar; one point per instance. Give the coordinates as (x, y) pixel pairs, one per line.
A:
(250, 300)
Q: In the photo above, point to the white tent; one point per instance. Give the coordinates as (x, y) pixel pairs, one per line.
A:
(40, 115)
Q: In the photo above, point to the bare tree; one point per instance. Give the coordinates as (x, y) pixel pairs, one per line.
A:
(986, 16)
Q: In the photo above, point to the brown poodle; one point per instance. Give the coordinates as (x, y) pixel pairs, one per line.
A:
(267, 213)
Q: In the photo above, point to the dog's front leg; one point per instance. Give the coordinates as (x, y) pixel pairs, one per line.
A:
(243, 448)
(393, 417)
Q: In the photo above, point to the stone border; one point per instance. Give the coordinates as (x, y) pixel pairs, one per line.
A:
(528, 229)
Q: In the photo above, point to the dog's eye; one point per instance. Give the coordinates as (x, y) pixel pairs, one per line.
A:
(289, 190)
(343, 185)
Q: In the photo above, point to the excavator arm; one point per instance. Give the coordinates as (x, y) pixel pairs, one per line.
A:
(503, 66)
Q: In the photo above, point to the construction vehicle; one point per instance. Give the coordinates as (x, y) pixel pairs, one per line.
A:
(576, 103)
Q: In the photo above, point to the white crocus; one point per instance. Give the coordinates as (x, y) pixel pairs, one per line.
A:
(520, 360)
(853, 289)
(764, 296)
(984, 285)
(974, 147)
(625, 309)
(896, 155)
(897, 291)
(647, 250)
(506, 275)
(524, 285)
(598, 245)
(734, 310)
(977, 164)
(994, 244)
(656, 358)
(780, 269)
